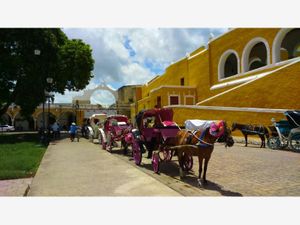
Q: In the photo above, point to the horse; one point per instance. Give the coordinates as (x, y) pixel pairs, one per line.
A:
(248, 129)
(201, 143)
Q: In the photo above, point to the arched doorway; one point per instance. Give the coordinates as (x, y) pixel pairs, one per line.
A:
(256, 54)
(286, 45)
(39, 121)
(89, 94)
(229, 64)
(23, 123)
(65, 119)
(103, 98)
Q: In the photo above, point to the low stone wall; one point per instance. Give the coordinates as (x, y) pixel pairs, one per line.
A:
(183, 113)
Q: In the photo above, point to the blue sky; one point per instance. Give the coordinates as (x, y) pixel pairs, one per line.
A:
(135, 55)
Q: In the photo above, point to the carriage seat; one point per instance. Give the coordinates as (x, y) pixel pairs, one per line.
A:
(284, 127)
(168, 123)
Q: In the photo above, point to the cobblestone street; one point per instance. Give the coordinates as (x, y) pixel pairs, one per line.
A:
(256, 172)
(236, 171)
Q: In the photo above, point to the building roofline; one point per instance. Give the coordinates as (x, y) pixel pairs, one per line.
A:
(171, 86)
(221, 35)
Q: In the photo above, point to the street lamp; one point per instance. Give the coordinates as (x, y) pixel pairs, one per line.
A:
(76, 107)
(37, 52)
(49, 96)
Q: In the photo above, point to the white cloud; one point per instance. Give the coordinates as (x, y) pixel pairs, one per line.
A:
(151, 51)
(134, 73)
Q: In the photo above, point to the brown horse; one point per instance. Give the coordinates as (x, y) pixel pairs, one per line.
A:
(248, 129)
(201, 144)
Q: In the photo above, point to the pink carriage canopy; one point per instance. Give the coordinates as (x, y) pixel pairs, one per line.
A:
(163, 116)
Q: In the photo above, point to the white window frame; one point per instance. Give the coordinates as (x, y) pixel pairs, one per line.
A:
(189, 96)
(247, 50)
(222, 61)
(277, 44)
(174, 95)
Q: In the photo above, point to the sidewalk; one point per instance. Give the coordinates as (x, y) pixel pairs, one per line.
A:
(15, 187)
(84, 169)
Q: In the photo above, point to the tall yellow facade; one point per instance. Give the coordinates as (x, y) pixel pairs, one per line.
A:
(245, 75)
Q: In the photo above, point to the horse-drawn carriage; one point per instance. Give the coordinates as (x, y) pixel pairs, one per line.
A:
(288, 132)
(163, 139)
(96, 121)
(114, 129)
(156, 131)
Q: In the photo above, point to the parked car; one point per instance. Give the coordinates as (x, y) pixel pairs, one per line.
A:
(7, 128)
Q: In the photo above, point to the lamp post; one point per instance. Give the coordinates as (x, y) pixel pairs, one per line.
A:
(49, 96)
(37, 52)
(76, 108)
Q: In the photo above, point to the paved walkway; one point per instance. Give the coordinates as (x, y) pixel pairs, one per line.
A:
(83, 169)
(16, 187)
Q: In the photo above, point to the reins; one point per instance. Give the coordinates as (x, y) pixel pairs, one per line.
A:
(200, 139)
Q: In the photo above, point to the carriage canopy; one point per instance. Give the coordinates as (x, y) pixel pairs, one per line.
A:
(115, 120)
(293, 118)
(160, 117)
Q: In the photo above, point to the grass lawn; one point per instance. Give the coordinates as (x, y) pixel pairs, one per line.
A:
(20, 155)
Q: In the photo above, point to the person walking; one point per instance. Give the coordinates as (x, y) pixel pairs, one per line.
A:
(55, 128)
(72, 131)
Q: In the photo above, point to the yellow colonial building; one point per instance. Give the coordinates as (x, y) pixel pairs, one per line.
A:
(245, 75)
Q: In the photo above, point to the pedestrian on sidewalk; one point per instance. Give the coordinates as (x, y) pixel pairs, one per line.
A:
(73, 131)
(55, 128)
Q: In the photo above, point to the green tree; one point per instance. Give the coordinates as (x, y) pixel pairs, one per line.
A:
(23, 72)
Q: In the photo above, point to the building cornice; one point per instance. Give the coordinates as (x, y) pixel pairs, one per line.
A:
(237, 109)
(172, 86)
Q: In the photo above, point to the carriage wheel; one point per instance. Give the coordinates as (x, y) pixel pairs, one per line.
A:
(295, 142)
(103, 143)
(273, 143)
(187, 163)
(109, 146)
(155, 162)
(100, 139)
(137, 152)
(165, 154)
(109, 143)
(125, 147)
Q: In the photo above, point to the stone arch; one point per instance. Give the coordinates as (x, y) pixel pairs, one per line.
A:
(65, 119)
(277, 48)
(88, 93)
(22, 123)
(39, 119)
(229, 57)
(256, 44)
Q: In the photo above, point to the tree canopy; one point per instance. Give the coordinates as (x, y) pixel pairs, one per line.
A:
(29, 56)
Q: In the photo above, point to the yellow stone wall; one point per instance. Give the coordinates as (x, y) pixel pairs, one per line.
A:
(198, 74)
(237, 39)
(200, 70)
(278, 90)
(182, 114)
(172, 76)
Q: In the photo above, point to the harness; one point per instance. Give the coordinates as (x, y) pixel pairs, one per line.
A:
(201, 142)
(251, 130)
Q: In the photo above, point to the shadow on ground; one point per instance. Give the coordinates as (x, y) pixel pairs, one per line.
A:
(171, 169)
